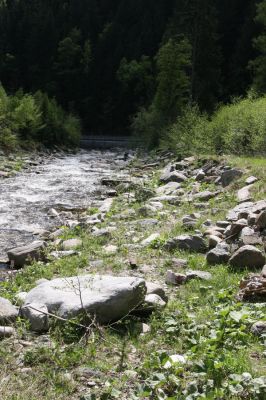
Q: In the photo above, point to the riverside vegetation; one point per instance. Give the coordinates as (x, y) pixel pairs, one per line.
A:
(207, 342)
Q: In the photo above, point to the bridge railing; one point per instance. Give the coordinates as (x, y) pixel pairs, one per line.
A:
(105, 142)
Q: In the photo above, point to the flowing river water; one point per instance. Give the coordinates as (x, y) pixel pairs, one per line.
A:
(60, 182)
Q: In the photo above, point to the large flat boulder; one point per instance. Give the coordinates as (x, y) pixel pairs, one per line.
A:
(21, 255)
(107, 298)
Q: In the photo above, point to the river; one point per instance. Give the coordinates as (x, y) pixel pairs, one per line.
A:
(61, 182)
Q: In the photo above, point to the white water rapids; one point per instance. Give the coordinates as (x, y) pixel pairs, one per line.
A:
(61, 181)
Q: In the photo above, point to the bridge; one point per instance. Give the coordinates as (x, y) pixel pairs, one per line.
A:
(108, 142)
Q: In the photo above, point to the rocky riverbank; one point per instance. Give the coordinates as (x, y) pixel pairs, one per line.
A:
(174, 250)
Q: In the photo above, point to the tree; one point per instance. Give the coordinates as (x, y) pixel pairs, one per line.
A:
(174, 78)
(259, 64)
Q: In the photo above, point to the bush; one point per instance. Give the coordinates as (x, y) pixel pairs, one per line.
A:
(237, 128)
(240, 128)
(58, 127)
(25, 118)
(189, 134)
(147, 125)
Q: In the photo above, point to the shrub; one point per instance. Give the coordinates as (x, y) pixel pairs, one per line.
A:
(58, 127)
(237, 128)
(25, 118)
(189, 134)
(240, 128)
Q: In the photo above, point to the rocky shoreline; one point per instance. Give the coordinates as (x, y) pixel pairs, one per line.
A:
(151, 215)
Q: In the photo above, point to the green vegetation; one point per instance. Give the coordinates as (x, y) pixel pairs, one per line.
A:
(27, 119)
(203, 322)
(238, 128)
(111, 60)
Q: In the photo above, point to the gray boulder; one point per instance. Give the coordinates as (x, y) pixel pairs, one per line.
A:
(107, 298)
(205, 196)
(219, 255)
(243, 194)
(187, 242)
(21, 255)
(37, 315)
(149, 240)
(240, 210)
(259, 328)
(250, 237)
(173, 176)
(250, 180)
(202, 275)
(248, 256)
(230, 175)
(72, 244)
(8, 312)
(261, 220)
(168, 189)
(156, 288)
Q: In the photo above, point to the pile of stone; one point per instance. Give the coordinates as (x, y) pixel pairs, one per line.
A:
(240, 240)
(253, 288)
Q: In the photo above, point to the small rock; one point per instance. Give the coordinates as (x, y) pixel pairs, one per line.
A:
(155, 288)
(249, 237)
(252, 218)
(247, 256)
(236, 227)
(6, 331)
(222, 224)
(187, 242)
(145, 328)
(214, 240)
(53, 213)
(176, 279)
(36, 314)
(20, 255)
(104, 232)
(251, 180)
(110, 249)
(168, 189)
(8, 312)
(179, 262)
(170, 199)
(107, 205)
(219, 255)
(56, 234)
(261, 220)
(150, 239)
(263, 272)
(72, 244)
(200, 175)
(173, 176)
(205, 196)
(154, 301)
(203, 275)
(63, 254)
(243, 194)
(259, 328)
